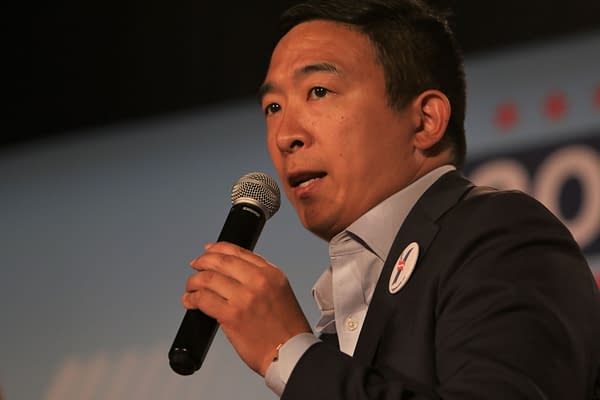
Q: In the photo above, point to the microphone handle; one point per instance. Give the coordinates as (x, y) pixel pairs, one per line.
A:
(197, 330)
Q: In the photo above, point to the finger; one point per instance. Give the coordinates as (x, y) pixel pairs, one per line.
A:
(222, 285)
(225, 264)
(241, 265)
(233, 250)
(206, 301)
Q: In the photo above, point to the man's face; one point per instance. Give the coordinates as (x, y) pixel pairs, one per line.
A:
(338, 147)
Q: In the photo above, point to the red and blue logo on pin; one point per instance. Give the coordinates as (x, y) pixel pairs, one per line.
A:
(404, 267)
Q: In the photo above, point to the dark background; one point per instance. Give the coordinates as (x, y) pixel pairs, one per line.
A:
(91, 63)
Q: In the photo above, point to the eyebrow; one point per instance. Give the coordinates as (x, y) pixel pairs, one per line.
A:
(308, 69)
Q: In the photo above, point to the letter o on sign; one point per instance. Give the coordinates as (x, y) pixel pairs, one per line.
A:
(503, 173)
(574, 162)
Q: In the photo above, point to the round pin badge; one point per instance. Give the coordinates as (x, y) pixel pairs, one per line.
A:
(404, 267)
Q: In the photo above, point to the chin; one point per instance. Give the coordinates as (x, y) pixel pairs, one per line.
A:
(319, 224)
(323, 231)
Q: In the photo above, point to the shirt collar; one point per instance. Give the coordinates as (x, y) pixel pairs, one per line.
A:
(377, 228)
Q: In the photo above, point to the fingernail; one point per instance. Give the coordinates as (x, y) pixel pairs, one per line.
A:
(208, 246)
(184, 300)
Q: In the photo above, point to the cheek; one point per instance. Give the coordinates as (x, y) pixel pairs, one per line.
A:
(355, 140)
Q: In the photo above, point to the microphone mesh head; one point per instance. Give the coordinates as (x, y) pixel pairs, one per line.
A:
(259, 189)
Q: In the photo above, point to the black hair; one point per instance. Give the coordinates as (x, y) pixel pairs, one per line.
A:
(415, 46)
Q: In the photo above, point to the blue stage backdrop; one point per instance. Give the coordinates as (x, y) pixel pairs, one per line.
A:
(97, 231)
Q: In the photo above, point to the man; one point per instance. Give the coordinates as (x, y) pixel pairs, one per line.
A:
(437, 289)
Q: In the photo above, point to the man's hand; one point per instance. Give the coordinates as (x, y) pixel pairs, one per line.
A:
(250, 298)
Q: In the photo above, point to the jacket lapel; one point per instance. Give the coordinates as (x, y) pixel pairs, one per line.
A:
(420, 226)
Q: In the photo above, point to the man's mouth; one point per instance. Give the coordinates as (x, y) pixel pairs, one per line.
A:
(305, 178)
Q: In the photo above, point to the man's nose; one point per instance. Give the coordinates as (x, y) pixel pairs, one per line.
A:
(292, 135)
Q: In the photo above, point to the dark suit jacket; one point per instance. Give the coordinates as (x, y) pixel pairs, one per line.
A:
(501, 305)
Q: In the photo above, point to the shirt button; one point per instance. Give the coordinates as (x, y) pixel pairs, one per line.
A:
(351, 324)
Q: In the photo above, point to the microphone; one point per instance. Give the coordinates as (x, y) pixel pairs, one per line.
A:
(255, 198)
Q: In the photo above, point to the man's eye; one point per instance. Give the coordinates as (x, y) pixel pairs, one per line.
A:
(318, 92)
(272, 108)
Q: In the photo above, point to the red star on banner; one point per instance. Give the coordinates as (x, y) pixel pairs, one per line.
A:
(597, 96)
(507, 116)
(555, 106)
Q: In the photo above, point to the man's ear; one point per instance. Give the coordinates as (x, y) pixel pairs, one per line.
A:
(433, 110)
